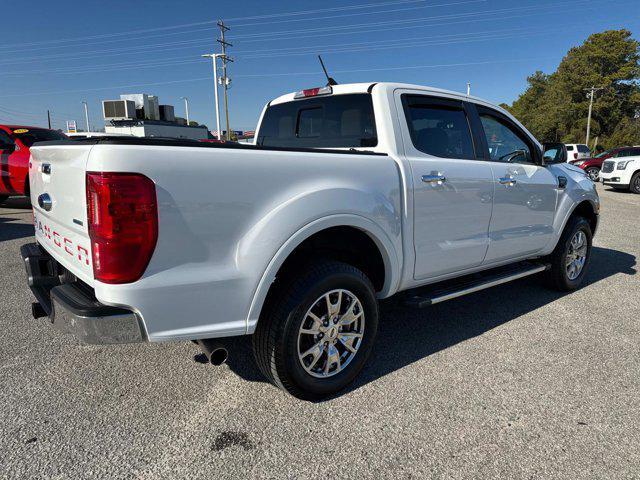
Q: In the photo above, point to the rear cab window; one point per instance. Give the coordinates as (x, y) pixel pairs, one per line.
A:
(332, 121)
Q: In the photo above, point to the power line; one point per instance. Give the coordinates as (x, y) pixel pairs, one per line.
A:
(283, 35)
(48, 46)
(307, 50)
(261, 52)
(193, 24)
(172, 82)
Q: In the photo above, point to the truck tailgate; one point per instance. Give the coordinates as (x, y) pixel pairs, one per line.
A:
(57, 181)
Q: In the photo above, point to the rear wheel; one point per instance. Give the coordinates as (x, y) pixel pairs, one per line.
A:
(318, 333)
(3, 198)
(593, 173)
(570, 259)
(634, 186)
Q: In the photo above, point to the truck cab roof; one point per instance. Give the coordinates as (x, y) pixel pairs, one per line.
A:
(368, 87)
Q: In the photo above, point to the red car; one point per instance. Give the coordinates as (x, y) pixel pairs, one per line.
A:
(593, 165)
(15, 141)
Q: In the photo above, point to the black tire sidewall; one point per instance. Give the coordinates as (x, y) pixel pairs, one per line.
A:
(632, 184)
(313, 387)
(559, 269)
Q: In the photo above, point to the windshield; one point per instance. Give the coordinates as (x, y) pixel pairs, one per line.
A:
(338, 121)
(29, 136)
(603, 154)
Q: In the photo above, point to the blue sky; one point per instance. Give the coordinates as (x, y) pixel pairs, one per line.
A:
(56, 54)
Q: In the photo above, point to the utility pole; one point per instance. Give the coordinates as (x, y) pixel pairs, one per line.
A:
(591, 93)
(225, 80)
(49, 118)
(214, 62)
(86, 114)
(186, 108)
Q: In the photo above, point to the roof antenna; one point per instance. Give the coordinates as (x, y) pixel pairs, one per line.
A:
(330, 81)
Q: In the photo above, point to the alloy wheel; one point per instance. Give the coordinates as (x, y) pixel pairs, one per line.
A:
(331, 333)
(576, 255)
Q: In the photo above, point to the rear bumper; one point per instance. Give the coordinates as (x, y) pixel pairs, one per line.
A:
(72, 308)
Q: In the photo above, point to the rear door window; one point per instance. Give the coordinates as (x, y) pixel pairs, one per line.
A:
(583, 149)
(439, 127)
(570, 148)
(334, 121)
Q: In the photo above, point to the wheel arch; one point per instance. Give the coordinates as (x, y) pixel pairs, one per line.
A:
(360, 227)
(588, 210)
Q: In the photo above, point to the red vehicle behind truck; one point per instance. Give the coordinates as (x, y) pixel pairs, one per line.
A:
(592, 166)
(15, 142)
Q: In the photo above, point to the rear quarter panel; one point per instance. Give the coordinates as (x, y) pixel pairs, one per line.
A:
(227, 217)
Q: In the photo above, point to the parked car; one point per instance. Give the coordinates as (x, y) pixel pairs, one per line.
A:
(576, 151)
(622, 173)
(353, 193)
(592, 166)
(15, 142)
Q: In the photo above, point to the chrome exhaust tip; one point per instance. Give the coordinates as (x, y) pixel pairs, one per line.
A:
(215, 351)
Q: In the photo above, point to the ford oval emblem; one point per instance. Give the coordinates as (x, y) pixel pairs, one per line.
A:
(45, 202)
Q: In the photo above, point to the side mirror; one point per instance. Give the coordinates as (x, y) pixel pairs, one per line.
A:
(554, 153)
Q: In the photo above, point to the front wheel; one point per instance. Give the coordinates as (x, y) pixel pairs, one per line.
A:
(570, 259)
(634, 185)
(318, 333)
(593, 173)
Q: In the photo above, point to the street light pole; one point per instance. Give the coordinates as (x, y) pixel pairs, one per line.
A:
(186, 108)
(86, 114)
(214, 57)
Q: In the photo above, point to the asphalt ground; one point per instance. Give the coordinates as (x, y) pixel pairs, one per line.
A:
(513, 382)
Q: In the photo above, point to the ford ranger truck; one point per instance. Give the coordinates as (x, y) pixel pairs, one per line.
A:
(351, 194)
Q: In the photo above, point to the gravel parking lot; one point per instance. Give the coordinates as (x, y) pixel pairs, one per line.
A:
(513, 382)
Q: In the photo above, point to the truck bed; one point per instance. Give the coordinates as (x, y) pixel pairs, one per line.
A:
(179, 142)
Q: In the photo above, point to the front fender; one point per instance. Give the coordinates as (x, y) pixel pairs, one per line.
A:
(579, 189)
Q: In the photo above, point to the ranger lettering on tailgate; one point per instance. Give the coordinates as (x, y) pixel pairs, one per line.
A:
(61, 242)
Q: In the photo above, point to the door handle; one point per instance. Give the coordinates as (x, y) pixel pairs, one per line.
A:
(434, 179)
(509, 181)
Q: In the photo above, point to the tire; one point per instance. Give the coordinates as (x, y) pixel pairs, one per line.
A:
(634, 185)
(3, 198)
(561, 276)
(593, 173)
(278, 339)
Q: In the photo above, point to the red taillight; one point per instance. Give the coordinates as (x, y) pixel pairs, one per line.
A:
(122, 213)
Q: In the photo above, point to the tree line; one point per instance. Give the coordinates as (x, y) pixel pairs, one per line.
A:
(554, 107)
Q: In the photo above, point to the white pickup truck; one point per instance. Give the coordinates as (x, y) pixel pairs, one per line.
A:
(352, 193)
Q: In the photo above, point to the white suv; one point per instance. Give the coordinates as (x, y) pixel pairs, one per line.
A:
(622, 174)
(577, 151)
